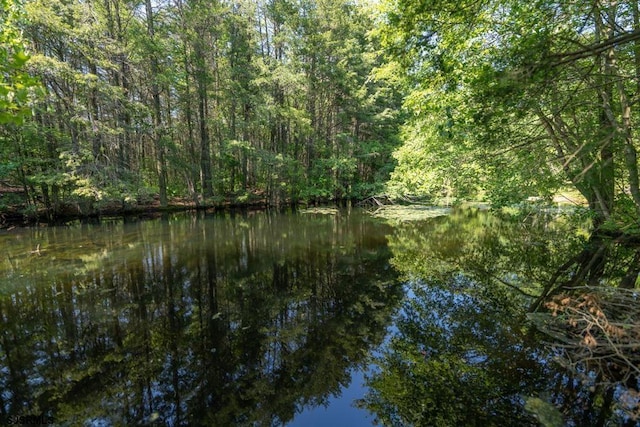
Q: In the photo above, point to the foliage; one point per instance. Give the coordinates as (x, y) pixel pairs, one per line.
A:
(16, 85)
(471, 279)
(511, 100)
(204, 99)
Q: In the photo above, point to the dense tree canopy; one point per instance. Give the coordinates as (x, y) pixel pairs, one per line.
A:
(205, 99)
(280, 100)
(125, 102)
(518, 99)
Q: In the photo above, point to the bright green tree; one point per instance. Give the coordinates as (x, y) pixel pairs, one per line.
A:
(16, 82)
(536, 95)
(216, 100)
(16, 85)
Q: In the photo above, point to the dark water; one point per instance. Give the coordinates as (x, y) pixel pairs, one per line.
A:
(288, 319)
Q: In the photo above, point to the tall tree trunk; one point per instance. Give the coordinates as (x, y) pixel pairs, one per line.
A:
(243, 153)
(205, 143)
(122, 80)
(95, 117)
(631, 156)
(604, 184)
(161, 164)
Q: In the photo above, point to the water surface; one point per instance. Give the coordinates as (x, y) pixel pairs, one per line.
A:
(191, 319)
(286, 319)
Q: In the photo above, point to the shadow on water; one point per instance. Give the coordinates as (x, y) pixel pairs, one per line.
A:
(220, 320)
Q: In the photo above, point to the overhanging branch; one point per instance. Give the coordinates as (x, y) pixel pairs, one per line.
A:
(559, 59)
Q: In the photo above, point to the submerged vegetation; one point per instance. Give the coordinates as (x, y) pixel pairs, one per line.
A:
(243, 318)
(189, 320)
(399, 213)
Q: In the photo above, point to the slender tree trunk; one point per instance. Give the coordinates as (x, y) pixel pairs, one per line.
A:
(205, 143)
(604, 183)
(631, 156)
(124, 117)
(95, 117)
(243, 153)
(161, 164)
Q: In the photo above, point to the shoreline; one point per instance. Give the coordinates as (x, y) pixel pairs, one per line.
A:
(14, 216)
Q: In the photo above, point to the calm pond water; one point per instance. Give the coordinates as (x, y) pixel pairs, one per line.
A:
(289, 319)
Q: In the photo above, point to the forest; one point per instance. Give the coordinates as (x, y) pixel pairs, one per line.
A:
(211, 102)
(133, 106)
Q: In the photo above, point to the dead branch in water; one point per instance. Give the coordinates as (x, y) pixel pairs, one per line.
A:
(376, 201)
(599, 328)
(36, 251)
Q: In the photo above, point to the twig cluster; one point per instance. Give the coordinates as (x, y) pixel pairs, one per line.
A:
(598, 328)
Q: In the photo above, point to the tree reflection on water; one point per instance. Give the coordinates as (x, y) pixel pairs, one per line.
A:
(250, 319)
(465, 351)
(191, 321)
